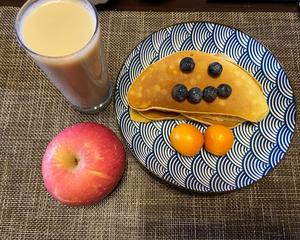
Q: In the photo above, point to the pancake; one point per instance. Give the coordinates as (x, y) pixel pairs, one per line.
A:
(230, 122)
(152, 90)
(154, 115)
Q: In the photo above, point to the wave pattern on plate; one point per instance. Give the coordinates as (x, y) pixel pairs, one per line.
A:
(283, 84)
(244, 132)
(247, 63)
(147, 53)
(123, 88)
(162, 151)
(227, 171)
(140, 148)
(284, 138)
(167, 127)
(233, 49)
(243, 180)
(209, 46)
(269, 128)
(189, 27)
(187, 45)
(253, 167)
(158, 38)
(265, 83)
(120, 107)
(135, 68)
(261, 147)
(130, 57)
(148, 133)
(270, 66)
(237, 153)
(209, 159)
(166, 48)
(275, 156)
(192, 183)
(218, 185)
(154, 166)
(199, 35)
(177, 170)
(278, 104)
(221, 34)
(128, 128)
(167, 176)
(202, 172)
(178, 36)
(185, 161)
(257, 149)
(255, 51)
(209, 26)
(242, 38)
(290, 116)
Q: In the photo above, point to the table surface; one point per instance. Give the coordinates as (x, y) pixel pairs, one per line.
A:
(32, 111)
(190, 5)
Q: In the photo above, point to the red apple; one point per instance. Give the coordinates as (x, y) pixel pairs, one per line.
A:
(83, 164)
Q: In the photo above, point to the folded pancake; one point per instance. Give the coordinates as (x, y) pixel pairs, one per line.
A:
(137, 117)
(227, 121)
(160, 115)
(155, 115)
(152, 90)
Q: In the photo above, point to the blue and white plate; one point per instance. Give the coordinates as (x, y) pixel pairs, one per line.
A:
(257, 148)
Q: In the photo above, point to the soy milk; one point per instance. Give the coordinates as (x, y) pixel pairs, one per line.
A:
(63, 38)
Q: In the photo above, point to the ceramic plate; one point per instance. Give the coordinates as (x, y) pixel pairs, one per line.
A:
(257, 148)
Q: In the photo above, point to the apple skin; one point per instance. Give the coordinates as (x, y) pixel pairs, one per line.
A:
(83, 164)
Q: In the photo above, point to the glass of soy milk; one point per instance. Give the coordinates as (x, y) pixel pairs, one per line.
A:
(63, 38)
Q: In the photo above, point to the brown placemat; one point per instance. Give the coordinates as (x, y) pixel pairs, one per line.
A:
(32, 111)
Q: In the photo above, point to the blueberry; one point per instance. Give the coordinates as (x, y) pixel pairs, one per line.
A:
(224, 91)
(209, 94)
(179, 92)
(215, 69)
(187, 65)
(194, 95)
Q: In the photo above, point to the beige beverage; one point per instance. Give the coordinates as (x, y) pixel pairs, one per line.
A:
(63, 37)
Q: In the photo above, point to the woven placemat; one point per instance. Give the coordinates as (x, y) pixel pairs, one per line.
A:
(32, 111)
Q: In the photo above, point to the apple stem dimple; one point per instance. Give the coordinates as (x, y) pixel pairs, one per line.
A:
(76, 161)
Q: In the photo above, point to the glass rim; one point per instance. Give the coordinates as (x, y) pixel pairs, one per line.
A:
(19, 39)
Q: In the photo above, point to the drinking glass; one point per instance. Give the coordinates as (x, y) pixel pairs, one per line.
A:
(81, 76)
